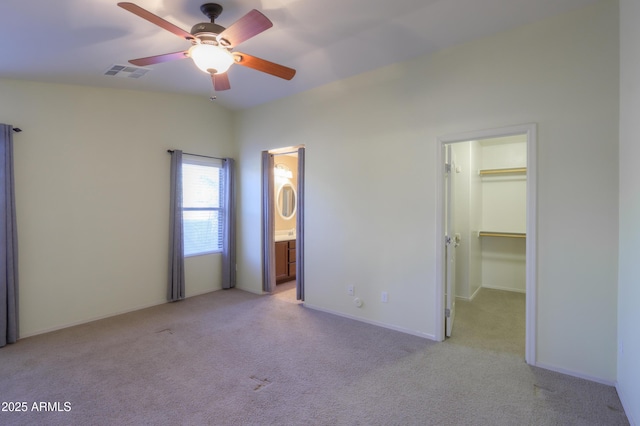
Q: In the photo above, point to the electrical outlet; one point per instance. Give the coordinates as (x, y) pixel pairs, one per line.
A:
(350, 290)
(384, 298)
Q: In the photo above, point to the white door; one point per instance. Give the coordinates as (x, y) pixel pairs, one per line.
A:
(450, 241)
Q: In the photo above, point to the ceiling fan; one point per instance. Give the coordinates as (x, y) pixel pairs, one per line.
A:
(212, 44)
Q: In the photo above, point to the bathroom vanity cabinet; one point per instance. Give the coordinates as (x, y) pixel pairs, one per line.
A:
(285, 261)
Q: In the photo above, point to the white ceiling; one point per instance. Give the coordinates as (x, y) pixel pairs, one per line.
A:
(76, 41)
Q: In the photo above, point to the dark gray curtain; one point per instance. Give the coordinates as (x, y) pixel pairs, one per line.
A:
(268, 224)
(300, 228)
(229, 230)
(8, 242)
(176, 245)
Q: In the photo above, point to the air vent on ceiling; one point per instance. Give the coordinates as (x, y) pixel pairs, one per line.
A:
(126, 71)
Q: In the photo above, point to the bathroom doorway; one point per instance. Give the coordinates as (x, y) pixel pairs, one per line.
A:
(487, 220)
(283, 222)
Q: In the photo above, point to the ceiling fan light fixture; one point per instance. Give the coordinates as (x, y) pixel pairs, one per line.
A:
(211, 59)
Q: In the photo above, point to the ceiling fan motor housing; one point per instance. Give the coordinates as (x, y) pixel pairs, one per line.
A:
(207, 32)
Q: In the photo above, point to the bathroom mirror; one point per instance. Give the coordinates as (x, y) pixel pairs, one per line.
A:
(286, 201)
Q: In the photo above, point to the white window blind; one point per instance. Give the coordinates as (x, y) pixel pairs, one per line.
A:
(202, 215)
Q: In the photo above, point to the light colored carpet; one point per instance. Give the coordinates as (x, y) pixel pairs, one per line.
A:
(494, 320)
(235, 358)
(286, 292)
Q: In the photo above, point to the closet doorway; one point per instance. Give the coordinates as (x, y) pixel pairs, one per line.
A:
(486, 219)
(283, 221)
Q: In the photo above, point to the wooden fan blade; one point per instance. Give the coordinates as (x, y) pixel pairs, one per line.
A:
(264, 66)
(145, 14)
(150, 60)
(243, 29)
(220, 82)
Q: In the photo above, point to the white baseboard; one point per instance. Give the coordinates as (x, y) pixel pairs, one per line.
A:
(495, 287)
(475, 293)
(100, 317)
(88, 320)
(376, 323)
(473, 296)
(626, 404)
(200, 293)
(575, 374)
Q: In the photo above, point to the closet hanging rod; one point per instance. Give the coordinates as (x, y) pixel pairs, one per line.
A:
(502, 234)
(502, 171)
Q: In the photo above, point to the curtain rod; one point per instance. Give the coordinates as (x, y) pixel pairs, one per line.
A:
(170, 151)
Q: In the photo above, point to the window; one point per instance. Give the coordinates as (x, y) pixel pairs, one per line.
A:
(202, 214)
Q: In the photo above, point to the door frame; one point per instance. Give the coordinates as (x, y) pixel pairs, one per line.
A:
(268, 204)
(530, 131)
(450, 243)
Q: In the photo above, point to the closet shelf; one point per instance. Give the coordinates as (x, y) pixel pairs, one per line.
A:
(502, 234)
(502, 171)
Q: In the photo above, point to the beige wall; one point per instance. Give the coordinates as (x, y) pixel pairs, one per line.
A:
(92, 177)
(370, 211)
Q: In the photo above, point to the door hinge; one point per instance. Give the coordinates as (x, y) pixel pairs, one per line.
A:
(447, 167)
(447, 313)
(447, 240)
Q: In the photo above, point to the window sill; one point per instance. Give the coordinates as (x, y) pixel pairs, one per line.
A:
(203, 254)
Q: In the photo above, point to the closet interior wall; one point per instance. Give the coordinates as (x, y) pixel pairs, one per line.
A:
(490, 203)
